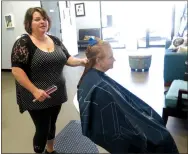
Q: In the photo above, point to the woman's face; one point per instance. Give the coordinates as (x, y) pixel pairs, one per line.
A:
(107, 61)
(39, 23)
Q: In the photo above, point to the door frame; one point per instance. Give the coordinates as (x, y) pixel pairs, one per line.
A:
(102, 27)
(59, 18)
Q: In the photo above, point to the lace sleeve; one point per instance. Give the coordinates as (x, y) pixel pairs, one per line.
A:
(20, 53)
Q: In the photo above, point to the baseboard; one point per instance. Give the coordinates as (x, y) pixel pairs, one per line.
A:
(6, 70)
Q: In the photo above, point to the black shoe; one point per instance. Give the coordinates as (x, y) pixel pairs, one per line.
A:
(54, 152)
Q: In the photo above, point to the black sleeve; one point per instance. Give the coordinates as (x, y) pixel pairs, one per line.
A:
(58, 42)
(20, 53)
(65, 51)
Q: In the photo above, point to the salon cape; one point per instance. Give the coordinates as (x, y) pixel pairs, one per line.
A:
(117, 120)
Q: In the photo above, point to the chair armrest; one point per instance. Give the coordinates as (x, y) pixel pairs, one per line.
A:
(182, 91)
(180, 104)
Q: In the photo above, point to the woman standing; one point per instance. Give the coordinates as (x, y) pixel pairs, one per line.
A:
(37, 63)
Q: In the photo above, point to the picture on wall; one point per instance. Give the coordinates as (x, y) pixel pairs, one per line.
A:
(9, 21)
(79, 9)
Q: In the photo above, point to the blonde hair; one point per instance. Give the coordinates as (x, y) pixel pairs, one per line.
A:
(92, 53)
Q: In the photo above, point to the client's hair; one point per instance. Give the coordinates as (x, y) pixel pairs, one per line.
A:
(92, 53)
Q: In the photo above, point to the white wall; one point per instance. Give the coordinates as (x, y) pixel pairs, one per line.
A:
(91, 18)
(69, 34)
(18, 9)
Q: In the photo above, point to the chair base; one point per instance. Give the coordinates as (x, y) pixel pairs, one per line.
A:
(174, 113)
(139, 70)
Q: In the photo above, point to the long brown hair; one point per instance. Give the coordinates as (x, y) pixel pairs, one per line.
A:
(92, 53)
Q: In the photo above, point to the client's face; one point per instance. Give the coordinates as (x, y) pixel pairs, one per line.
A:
(107, 61)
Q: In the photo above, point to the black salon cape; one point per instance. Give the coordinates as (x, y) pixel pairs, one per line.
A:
(117, 120)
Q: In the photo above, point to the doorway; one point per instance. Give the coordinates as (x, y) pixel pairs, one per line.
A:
(52, 9)
(110, 23)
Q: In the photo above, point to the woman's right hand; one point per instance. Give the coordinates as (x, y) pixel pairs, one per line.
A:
(40, 95)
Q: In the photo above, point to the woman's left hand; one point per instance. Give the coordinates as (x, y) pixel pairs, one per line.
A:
(84, 61)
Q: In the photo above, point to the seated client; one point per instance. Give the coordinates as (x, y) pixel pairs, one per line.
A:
(112, 116)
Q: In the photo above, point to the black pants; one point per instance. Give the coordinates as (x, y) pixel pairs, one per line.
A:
(45, 124)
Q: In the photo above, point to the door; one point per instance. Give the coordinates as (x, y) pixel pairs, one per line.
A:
(52, 9)
(111, 23)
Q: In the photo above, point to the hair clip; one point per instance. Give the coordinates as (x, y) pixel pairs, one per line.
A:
(92, 42)
(101, 41)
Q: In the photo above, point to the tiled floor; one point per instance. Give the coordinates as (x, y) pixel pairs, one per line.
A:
(18, 129)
